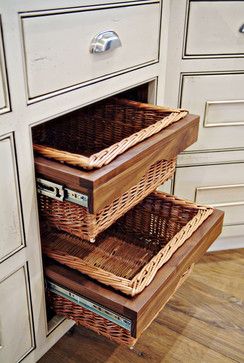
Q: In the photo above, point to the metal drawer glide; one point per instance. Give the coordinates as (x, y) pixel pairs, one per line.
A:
(88, 304)
(59, 192)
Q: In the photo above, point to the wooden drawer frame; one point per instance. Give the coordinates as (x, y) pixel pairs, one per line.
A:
(104, 185)
(143, 308)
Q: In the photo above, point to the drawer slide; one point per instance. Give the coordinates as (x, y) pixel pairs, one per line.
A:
(59, 192)
(89, 305)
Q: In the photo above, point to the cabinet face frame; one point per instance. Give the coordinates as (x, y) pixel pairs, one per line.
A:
(193, 191)
(14, 165)
(3, 75)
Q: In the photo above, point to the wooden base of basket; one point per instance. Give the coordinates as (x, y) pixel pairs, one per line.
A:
(99, 324)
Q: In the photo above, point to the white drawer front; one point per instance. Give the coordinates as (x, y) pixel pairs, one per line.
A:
(219, 100)
(214, 28)
(16, 334)
(57, 46)
(221, 186)
(4, 97)
(10, 214)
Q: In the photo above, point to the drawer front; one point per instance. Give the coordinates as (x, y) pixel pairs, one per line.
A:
(221, 186)
(4, 97)
(219, 100)
(10, 213)
(57, 46)
(16, 333)
(214, 28)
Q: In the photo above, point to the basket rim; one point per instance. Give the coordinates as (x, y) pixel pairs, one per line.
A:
(106, 155)
(139, 281)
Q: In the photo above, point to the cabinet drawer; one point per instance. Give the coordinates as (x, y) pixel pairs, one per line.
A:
(141, 241)
(221, 186)
(16, 334)
(214, 28)
(88, 202)
(134, 314)
(4, 94)
(101, 186)
(219, 100)
(10, 211)
(57, 45)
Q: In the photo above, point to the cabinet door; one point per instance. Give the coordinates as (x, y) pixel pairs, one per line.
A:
(219, 100)
(10, 213)
(213, 28)
(16, 334)
(221, 186)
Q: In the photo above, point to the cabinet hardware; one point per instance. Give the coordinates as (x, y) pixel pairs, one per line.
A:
(59, 192)
(87, 304)
(241, 30)
(105, 41)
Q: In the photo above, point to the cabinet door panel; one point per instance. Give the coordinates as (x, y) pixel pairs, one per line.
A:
(10, 212)
(213, 28)
(221, 186)
(16, 335)
(219, 100)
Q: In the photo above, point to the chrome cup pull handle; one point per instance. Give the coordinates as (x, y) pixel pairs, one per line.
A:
(105, 41)
(241, 30)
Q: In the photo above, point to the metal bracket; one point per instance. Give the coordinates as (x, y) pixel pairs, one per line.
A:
(59, 192)
(89, 305)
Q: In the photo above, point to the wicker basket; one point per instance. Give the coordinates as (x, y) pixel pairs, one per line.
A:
(94, 135)
(90, 320)
(76, 220)
(128, 255)
(97, 323)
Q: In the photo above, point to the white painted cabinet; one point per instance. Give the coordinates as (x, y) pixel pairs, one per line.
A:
(219, 100)
(45, 57)
(213, 28)
(204, 73)
(16, 332)
(4, 94)
(11, 231)
(221, 186)
(2, 90)
(46, 69)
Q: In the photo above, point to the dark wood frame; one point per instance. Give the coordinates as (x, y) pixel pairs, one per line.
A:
(104, 185)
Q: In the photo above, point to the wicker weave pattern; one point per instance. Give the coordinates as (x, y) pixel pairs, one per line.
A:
(76, 220)
(128, 255)
(94, 136)
(90, 320)
(98, 324)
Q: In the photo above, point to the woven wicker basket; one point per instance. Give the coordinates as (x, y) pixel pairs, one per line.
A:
(76, 220)
(128, 255)
(90, 320)
(94, 135)
(99, 324)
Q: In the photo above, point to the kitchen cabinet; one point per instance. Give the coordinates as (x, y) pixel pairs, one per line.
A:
(47, 69)
(204, 73)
